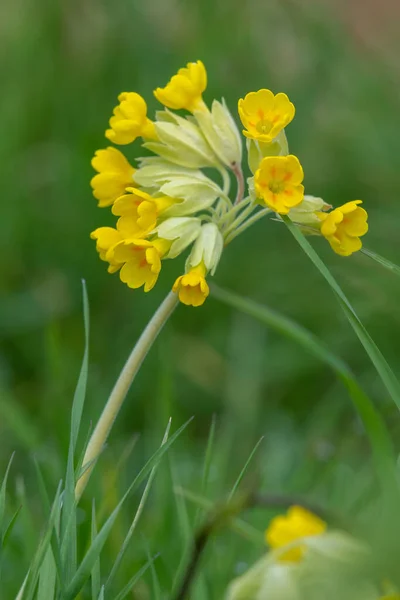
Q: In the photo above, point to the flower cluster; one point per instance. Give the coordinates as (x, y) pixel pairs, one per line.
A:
(306, 560)
(167, 203)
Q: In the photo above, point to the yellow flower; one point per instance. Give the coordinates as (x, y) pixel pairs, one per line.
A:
(184, 90)
(265, 115)
(114, 175)
(130, 120)
(295, 525)
(106, 238)
(344, 226)
(138, 212)
(192, 287)
(278, 183)
(141, 261)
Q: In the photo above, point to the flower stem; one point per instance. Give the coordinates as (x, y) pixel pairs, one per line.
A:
(235, 232)
(118, 394)
(238, 172)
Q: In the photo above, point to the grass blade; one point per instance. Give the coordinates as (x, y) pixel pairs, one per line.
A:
(136, 518)
(132, 582)
(382, 261)
(47, 577)
(374, 425)
(386, 374)
(68, 521)
(95, 574)
(243, 471)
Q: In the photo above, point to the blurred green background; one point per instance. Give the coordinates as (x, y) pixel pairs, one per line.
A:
(63, 65)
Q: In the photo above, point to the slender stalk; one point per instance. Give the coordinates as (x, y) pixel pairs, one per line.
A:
(226, 180)
(238, 172)
(124, 381)
(238, 230)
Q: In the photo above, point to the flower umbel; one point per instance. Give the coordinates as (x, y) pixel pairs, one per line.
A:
(264, 115)
(296, 525)
(278, 183)
(344, 226)
(192, 287)
(184, 90)
(171, 202)
(130, 120)
(115, 174)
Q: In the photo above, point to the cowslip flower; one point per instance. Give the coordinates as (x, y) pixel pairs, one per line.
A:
(171, 203)
(297, 524)
(264, 115)
(106, 238)
(344, 226)
(114, 175)
(138, 211)
(192, 288)
(184, 90)
(130, 120)
(278, 183)
(140, 261)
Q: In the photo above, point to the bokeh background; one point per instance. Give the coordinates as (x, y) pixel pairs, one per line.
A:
(63, 65)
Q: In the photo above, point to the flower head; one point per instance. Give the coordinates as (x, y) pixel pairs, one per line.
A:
(140, 260)
(264, 115)
(344, 226)
(129, 120)
(297, 524)
(106, 238)
(138, 212)
(192, 287)
(114, 175)
(184, 90)
(278, 183)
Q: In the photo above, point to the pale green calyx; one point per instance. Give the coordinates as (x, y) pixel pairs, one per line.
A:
(257, 150)
(182, 230)
(221, 132)
(207, 248)
(154, 171)
(196, 195)
(305, 213)
(181, 142)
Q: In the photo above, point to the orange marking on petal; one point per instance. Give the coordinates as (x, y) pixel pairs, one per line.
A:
(260, 113)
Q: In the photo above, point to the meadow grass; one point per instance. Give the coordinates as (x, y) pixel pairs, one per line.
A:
(276, 419)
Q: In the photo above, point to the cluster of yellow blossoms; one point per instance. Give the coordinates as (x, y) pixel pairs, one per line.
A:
(300, 546)
(168, 203)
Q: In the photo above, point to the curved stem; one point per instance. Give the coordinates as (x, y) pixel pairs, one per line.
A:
(226, 185)
(238, 172)
(118, 394)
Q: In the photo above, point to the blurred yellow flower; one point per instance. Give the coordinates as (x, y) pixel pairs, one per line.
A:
(129, 120)
(184, 90)
(264, 115)
(295, 525)
(277, 183)
(106, 238)
(138, 212)
(114, 175)
(192, 287)
(141, 260)
(344, 226)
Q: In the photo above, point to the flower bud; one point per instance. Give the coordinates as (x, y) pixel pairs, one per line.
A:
(257, 150)
(197, 195)
(221, 132)
(266, 581)
(181, 142)
(182, 230)
(207, 248)
(155, 171)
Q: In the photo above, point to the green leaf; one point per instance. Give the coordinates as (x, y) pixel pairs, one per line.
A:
(132, 582)
(95, 574)
(138, 513)
(386, 374)
(3, 490)
(44, 544)
(243, 471)
(382, 261)
(83, 572)
(68, 520)
(374, 425)
(47, 577)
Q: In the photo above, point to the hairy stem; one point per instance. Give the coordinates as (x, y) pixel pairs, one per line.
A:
(118, 394)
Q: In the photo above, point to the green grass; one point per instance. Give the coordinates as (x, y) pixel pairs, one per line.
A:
(228, 364)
